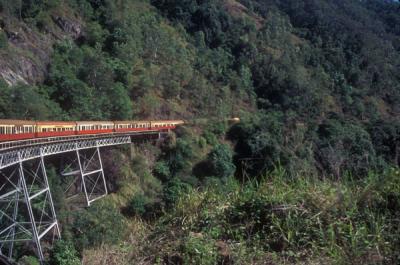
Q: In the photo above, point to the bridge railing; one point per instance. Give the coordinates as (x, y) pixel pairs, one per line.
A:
(5, 146)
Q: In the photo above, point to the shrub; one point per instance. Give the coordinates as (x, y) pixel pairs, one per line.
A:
(199, 251)
(210, 138)
(161, 170)
(100, 223)
(64, 253)
(174, 189)
(3, 40)
(28, 260)
(137, 205)
(221, 160)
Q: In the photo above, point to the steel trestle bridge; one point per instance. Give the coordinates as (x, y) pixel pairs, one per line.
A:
(27, 213)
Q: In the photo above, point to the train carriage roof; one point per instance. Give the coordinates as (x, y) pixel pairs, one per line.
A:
(168, 121)
(16, 122)
(56, 123)
(95, 123)
(130, 122)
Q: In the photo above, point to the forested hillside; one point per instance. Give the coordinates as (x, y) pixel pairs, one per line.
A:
(316, 84)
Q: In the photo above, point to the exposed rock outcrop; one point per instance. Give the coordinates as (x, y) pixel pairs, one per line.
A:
(27, 56)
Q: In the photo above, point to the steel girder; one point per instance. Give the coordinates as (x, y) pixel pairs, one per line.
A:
(10, 158)
(27, 212)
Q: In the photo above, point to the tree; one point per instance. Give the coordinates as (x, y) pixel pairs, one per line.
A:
(101, 223)
(221, 161)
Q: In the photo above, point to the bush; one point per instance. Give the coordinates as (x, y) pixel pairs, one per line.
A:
(174, 190)
(221, 160)
(161, 171)
(64, 253)
(199, 251)
(3, 40)
(100, 223)
(137, 205)
(28, 260)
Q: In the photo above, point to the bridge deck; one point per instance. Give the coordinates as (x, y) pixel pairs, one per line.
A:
(14, 152)
(4, 146)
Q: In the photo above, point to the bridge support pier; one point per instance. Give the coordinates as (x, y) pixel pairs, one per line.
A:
(27, 212)
(28, 222)
(92, 174)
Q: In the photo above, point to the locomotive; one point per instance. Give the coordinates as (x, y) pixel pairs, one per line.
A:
(12, 130)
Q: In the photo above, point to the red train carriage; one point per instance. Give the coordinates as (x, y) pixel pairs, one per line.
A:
(131, 126)
(11, 130)
(55, 128)
(94, 127)
(165, 125)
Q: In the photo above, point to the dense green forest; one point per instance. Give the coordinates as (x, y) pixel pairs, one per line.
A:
(308, 176)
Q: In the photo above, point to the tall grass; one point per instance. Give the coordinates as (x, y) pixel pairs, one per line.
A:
(276, 220)
(344, 222)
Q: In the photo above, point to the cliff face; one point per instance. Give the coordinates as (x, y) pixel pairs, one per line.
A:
(27, 53)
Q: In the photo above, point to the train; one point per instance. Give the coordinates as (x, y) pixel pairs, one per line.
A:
(12, 130)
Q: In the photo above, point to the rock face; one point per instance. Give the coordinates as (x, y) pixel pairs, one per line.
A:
(28, 51)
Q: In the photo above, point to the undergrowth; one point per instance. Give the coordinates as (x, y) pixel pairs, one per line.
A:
(277, 220)
(286, 220)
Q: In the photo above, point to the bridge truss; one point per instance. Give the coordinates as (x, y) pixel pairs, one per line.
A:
(27, 213)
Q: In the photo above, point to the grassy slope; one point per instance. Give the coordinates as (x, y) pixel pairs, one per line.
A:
(274, 221)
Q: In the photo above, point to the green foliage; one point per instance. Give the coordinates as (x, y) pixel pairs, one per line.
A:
(174, 190)
(295, 218)
(137, 205)
(3, 40)
(180, 155)
(64, 253)
(345, 147)
(221, 161)
(101, 223)
(199, 251)
(95, 34)
(27, 102)
(161, 170)
(29, 260)
(56, 188)
(86, 84)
